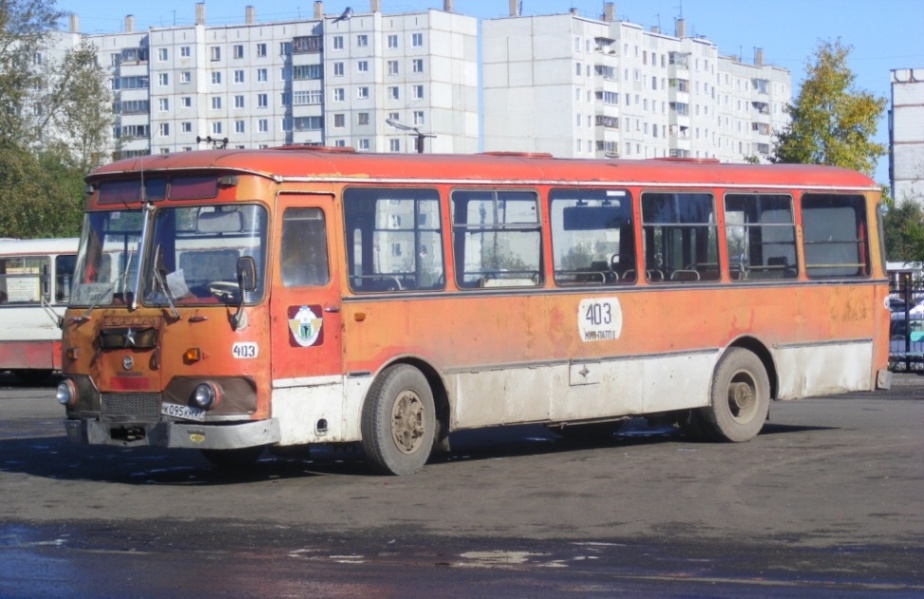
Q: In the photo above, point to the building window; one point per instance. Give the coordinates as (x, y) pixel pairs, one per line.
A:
(215, 52)
(339, 120)
(392, 41)
(163, 104)
(393, 92)
(417, 65)
(285, 99)
(338, 69)
(216, 102)
(338, 42)
(262, 100)
(216, 77)
(185, 77)
(184, 52)
(162, 54)
(262, 75)
(362, 93)
(238, 126)
(394, 145)
(417, 92)
(418, 117)
(186, 127)
(417, 40)
(285, 48)
(362, 66)
(186, 102)
(164, 129)
(263, 125)
(163, 79)
(364, 144)
(362, 118)
(239, 76)
(238, 101)
(362, 40)
(238, 51)
(392, 67)
(261, 50)
(216, 128)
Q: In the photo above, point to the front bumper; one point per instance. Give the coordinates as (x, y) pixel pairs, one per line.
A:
(174, 434)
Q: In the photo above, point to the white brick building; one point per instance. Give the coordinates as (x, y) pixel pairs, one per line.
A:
(906, 135)
(579, 87)
(321, 80)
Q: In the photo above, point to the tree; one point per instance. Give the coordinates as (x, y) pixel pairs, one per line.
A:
(55, 119)
(831, 122)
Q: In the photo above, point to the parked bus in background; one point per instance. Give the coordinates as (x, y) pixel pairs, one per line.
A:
(300, 296)
(35, 284)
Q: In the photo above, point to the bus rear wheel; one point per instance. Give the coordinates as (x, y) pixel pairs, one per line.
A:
(740, 397)
(398, 421)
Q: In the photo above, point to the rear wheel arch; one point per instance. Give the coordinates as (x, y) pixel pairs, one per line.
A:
(759, 349)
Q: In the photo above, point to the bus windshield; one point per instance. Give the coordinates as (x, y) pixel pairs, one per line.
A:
(193, 254)
(107, 262)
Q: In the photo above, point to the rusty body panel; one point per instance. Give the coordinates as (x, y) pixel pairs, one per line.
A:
(493, 355)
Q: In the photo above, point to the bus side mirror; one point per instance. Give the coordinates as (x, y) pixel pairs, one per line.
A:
(247, 273)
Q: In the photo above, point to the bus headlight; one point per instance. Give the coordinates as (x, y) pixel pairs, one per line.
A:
(205, 396)
(66, 393)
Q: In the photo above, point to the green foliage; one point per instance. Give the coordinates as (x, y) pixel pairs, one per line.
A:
(55, 119)
(831, 122)
(904, 231)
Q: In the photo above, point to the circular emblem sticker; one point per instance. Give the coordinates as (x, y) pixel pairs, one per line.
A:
(305, 327)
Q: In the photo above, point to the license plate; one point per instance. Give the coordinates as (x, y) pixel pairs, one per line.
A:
(185, 412)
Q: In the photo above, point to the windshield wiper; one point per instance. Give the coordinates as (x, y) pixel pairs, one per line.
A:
(121, 278)
(159, 278)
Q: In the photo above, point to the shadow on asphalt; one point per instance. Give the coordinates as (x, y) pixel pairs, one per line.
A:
(36, 448)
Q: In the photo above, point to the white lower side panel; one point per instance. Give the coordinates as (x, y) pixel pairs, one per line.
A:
(568, 392)
(824, 369)
(300, 407)
(581, 391)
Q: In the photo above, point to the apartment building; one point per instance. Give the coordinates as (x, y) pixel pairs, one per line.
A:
(589, 88)
(372, 81)
(906, 135)
(564, 84)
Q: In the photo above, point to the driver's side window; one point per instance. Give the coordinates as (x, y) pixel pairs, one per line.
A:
(303, 252)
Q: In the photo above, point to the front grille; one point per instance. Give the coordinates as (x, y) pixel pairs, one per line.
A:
(144, 406)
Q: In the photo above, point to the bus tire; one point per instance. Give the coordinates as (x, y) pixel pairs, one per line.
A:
(398, 421)
(740, 397)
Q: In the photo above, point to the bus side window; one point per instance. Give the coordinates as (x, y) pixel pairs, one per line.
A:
(593, 236)
(304, 248)
(680, 238)
(760, 235)
(834, 236)
(394, 239)
(496, 238)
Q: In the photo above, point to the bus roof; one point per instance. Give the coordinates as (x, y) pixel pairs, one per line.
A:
(340, 164)
(32, 247)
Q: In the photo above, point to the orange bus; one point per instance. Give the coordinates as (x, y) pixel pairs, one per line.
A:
(300, 296)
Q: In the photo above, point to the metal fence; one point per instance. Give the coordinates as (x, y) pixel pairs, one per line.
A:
(906, 331)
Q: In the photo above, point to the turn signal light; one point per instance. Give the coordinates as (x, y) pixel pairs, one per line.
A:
(192, 355)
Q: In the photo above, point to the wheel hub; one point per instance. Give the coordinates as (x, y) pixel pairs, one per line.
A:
(740, 397)
(407, 424)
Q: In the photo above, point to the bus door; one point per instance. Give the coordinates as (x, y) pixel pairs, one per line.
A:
(305, 302)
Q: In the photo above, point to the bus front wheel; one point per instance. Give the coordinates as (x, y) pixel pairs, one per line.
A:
(740, 397)
(398, 421)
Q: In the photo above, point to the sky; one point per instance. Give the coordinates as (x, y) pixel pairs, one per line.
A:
(883, 34)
